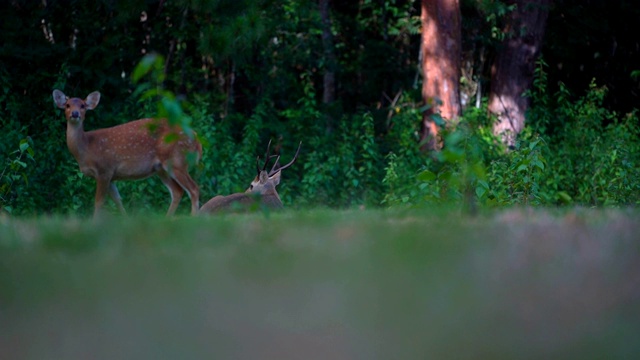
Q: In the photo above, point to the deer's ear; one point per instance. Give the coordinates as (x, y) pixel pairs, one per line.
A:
(92, 100)
(264, 177)
(59, 98)
(276, 178)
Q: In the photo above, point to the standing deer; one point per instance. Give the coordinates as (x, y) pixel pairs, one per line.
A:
(262, 190)
(135, 150)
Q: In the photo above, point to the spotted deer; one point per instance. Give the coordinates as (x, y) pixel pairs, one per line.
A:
(134, 150)
(261, 192)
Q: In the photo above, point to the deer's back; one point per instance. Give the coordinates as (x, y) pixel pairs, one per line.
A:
(239, 202)
(142, 135)
(138, 148)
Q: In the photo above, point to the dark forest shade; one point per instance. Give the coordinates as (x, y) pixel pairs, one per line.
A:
(253, 70)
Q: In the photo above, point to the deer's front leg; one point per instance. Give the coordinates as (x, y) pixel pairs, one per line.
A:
(102, 187)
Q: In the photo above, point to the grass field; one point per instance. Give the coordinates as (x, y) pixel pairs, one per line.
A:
(372, 284)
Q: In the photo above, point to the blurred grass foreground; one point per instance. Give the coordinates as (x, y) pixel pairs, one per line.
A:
(373, 284)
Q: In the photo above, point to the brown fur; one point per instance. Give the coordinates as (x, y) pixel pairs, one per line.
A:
(262, 192)
(133, 150)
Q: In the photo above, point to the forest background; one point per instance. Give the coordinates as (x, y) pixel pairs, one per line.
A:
(346, 79)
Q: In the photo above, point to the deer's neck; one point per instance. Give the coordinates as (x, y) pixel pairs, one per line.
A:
(76, 140)
(272, 194)
(271, 198)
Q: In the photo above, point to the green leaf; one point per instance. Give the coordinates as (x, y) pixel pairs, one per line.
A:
(445, 175)
(452, 156)
(478, 170)
(426, 175)
(425, 108)
(171, 137)
(483, 184)
(140, 89)
(564, 197)
(438, 119)
(171, 110)
(148, 94)
(533, 144)
(522, 167)
(480, 191)
(454, 138)
(24, 145)
(145, 66)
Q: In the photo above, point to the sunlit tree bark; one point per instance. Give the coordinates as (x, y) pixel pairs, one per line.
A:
(512, 71)
(441, 51)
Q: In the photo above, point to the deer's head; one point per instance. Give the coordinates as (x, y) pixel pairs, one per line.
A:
(265, 181)
(75, 108)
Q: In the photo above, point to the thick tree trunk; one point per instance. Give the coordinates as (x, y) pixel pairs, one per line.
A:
(441, 51)
(329, 81)
(512, 71)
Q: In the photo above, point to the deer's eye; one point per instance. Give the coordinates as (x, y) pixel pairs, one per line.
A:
(82, 106)
(251, 187)
(68, 106)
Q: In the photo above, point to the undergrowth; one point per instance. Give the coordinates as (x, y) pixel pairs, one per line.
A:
(573, 152)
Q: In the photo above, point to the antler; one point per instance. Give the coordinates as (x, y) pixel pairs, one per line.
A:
(274, 170)
(266, 156)
(266, 159)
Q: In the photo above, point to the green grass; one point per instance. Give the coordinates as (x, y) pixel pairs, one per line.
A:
(373, 284)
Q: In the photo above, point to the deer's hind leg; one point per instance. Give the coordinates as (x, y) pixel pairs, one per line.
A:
(175, 190)
(179, 172)
(115, 195)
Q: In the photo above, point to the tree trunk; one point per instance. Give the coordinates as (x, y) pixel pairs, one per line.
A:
(512, 71)
(329, 81)
(441, 51)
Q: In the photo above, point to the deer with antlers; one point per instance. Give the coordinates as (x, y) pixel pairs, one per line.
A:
(261, 192)
(134, 150)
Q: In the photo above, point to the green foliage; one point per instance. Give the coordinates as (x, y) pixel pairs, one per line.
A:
(240, 73)
(574, 152)
(598, 153)
(348, 173)
(390, 17)
(14, 171)
(456, 176)
(518, 177)
(340, 168)
(168, 105)
(403, 158)
(495, 12)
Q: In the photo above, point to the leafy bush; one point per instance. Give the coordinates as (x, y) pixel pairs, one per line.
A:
(573, 152)
(14, 171)
(517, 178)
(597, 153)
(403, 157)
